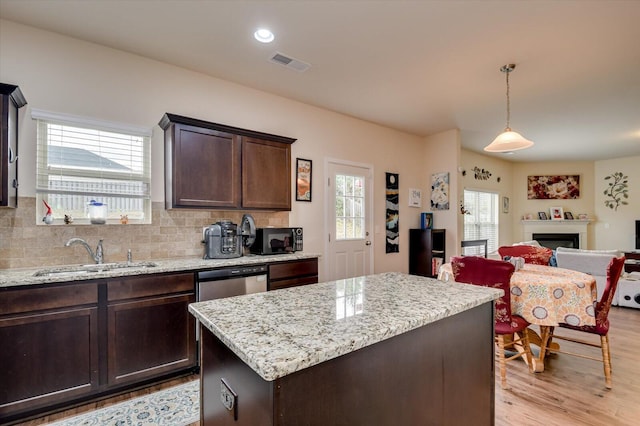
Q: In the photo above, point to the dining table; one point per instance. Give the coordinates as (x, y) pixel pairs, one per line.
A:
(547, 296)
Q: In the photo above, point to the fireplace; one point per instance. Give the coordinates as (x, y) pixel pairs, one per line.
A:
(532, 228)
(555, 240)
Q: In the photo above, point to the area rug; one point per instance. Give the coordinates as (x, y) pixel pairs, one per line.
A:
(176, 406)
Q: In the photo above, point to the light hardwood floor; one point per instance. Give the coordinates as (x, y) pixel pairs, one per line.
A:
(570, 391)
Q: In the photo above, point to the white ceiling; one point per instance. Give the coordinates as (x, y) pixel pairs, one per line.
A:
(418, 66)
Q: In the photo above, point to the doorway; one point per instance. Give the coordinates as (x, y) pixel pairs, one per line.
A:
(349, 218)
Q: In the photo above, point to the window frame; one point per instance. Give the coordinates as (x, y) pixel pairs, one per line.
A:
(493, 241)
(102, 128)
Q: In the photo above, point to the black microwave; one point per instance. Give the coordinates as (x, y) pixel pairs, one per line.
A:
(277, 240)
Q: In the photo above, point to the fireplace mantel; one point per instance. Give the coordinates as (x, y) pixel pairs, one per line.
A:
(578, 226)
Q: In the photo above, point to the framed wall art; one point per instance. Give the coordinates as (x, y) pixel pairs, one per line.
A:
(303, 179)
(440, 191)
(415, 197)
(505, 204)
(553, 187)
(392, 213)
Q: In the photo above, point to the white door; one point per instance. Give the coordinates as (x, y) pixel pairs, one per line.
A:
(349, 220)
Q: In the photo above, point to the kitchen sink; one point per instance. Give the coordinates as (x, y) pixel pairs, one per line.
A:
(92, 268)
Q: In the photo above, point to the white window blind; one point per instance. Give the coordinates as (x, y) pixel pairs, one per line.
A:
(482, 220)
(82, 159)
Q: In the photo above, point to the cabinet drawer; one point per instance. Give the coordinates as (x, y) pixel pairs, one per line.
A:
(149, 285)
(280, 271)
(293, 282)
(50, 297)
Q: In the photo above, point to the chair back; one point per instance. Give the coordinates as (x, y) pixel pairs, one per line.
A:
(487, 273)
(475, 243)
(530, 254)
(614, 270)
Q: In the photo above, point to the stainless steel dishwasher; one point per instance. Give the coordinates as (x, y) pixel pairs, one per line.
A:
(230, 281)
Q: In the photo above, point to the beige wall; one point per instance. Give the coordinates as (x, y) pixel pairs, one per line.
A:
(610, 229)
(70, 76)
(499, 169)
(443, 155)
(521, 205)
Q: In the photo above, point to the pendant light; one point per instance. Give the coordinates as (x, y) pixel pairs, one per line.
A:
(508, 140)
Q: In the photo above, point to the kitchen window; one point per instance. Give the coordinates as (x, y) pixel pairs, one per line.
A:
(481, 220)
(81, 161)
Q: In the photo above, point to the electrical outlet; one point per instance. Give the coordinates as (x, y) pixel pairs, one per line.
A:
(229, 398)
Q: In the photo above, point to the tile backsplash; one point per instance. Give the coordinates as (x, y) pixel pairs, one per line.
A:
(172, 234)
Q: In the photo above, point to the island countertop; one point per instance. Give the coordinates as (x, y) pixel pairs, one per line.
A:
(280, 332)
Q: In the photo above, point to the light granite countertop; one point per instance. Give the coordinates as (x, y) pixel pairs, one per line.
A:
(280, 332)
(26, 276)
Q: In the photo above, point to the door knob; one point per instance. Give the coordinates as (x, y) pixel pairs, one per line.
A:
(368, 243)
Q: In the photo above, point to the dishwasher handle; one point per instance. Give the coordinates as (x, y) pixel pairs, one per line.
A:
(229, 272)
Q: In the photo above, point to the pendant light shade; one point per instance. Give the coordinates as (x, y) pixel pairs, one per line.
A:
(508, 140)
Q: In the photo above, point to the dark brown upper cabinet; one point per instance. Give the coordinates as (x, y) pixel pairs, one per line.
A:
(11, 99)
(210, 165)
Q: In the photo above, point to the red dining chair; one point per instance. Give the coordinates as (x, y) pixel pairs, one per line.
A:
(614, 270)
(497, 274)
(530, 254)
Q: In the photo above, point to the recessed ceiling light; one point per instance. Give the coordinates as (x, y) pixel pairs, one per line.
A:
(263, 35)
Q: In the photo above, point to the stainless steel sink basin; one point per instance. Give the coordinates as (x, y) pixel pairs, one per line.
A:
(88, 269)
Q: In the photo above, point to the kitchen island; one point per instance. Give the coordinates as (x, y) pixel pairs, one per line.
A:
(386, 349)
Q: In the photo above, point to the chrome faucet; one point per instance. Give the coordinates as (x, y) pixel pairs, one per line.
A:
(97, 257)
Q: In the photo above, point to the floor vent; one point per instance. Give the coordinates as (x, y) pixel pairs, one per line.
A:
(289, 62)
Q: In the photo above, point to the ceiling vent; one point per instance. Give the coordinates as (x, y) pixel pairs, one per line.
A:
(289, 62)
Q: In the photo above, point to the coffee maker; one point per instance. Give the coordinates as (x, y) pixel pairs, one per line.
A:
(226, 240)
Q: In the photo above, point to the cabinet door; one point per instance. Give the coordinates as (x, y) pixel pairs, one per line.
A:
(202, 168)
(150, 337)
(47, 358)
(266, 174)
(11, 99)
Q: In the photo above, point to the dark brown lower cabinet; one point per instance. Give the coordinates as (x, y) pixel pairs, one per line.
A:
(153, 335)
(49, 347)
(70, 342)
(293, 273)
(438, 374)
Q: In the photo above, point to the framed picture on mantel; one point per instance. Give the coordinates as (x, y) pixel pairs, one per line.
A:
(556, 213)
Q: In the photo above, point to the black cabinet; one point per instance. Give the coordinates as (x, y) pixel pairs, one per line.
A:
(11, 99)
(426, 251)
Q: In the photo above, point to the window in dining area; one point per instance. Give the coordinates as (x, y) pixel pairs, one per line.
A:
(481, 221)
